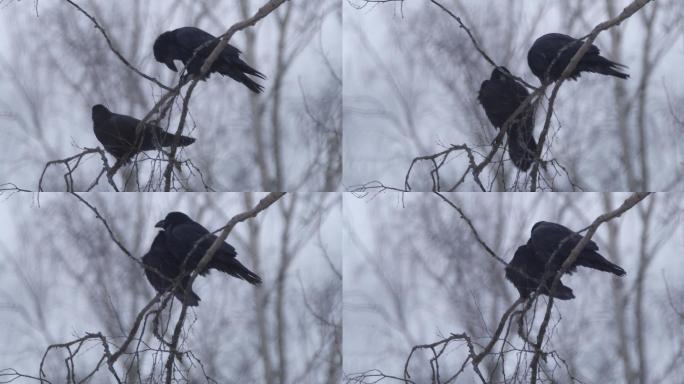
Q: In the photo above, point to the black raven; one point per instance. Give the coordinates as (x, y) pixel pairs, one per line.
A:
(166, 267)
(550, 244)
(526, 271)
(183, 235)
(558, 49)
(180, 44)
(118, 134)
(500, 96)
(548, 237)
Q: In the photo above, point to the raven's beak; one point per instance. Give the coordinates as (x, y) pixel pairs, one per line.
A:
(171, 65)
(160, 224)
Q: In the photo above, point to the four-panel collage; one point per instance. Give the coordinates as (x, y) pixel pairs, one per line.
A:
(341, 191)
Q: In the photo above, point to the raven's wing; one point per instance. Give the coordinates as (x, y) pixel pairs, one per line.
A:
(190, 38)
(559, 41)
(117, 133)
(196, 231)
(154, 259)
(187, 39)
(163, 262)
(129, 131)
(525, 271)
(518, 90)
(166, 270)
(183, 237)
(555, 48)
(547, 237)
(125, 126)
(498, 101)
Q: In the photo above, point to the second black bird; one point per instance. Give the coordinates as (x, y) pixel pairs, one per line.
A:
(122, 138)
(537, 262)
(526, 271)
(164, 268)
(500, 96)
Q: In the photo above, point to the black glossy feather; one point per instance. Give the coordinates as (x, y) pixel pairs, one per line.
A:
(526, 272)
(552, 52)
(539, 260)
(187, 239)
(181, 44)
(120, 136)
(500, 96)
(164, 269)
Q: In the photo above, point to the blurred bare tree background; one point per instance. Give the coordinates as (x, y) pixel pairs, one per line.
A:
(412, 85)
(62, 276)
(55, 66)
(414, 274)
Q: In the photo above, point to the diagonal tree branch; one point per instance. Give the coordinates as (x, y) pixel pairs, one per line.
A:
(627, 12)
(630, 202)
(264, 203)
(264, 11)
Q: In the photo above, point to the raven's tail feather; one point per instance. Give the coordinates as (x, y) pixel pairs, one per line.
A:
(595, 261)
(192, 299)
(238, 71)
(244, 67)
(249, 83)
(521, 148)
(184, 140)
(600, 64)
(563, 292)
(234, 268)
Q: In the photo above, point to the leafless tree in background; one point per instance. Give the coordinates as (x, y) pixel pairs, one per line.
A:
(288, 138)
(71, 281)
(423, 276)
(418, 90)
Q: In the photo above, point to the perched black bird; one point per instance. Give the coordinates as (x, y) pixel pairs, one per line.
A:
(500, 96)
(547, 237)
(549, 49)
(550, 244)
(119, 136)
(526, 271)
(182, 235)
(180, 44)
(166, 269)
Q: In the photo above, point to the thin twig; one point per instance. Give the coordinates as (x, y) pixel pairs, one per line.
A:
(116, 52)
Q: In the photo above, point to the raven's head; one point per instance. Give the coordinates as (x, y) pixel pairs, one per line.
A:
(163, 50)
(100, 112)
(173, 218)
